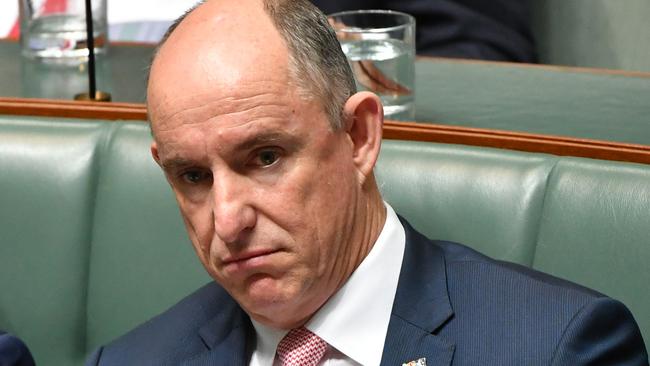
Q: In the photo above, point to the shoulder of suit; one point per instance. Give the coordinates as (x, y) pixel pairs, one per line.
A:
(466, 264)
(175, 330)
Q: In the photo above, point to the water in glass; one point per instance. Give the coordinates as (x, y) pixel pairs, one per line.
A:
(385, 67)
(60, 36)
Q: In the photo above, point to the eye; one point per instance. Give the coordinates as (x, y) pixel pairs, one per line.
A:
(266, 157)
(194, 176)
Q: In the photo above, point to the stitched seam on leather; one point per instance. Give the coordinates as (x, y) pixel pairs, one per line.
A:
(549, 176)
(100, 155)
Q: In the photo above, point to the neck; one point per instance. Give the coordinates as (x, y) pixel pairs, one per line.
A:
(374, 218)
(369, 216)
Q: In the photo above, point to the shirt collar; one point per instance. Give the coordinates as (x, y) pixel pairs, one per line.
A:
(355, 319)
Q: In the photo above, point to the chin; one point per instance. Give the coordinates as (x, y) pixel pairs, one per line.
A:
(265, 290)
(269, 301)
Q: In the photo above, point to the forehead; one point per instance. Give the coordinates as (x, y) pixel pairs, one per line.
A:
(222, 54)
(214, 131)
(218, 121)
(268, 100)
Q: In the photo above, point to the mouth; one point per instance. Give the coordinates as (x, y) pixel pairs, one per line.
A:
(248, 260)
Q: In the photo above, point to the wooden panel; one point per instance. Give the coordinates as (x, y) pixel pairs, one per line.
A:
(73, 109)
(430, 132)
(556, 145)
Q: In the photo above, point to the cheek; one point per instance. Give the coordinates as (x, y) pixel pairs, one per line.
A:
(199, 224)
(333, 191)
(329, 206)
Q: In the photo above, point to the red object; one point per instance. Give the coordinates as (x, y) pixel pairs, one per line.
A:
(48, 7)
(300, 347)
(15, 30)
(54, 6)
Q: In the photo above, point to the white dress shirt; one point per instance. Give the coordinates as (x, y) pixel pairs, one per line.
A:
(354, 321)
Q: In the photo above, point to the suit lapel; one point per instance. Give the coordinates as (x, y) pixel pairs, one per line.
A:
(227, 337)
(407, 342)
(421, 306)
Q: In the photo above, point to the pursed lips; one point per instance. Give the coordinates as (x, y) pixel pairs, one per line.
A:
(247, 257)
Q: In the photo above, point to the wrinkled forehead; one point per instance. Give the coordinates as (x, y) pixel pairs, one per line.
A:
(218, 48)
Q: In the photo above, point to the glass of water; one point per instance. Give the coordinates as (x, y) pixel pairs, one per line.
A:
(56, 29)
(380, 45)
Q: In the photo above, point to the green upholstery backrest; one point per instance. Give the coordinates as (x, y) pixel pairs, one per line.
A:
(139, 248)
(91, 241)
(47, 189)
(595, 230)
(486, 198)
(593, 33)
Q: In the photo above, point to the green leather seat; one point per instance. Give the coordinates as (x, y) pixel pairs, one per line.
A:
(47, 184)
(139, 248)
(595, 230)
(91, 240)
(488, 199)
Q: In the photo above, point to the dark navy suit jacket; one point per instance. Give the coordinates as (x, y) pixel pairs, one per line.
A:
(481, 29)
(453, 306)
(13, 351)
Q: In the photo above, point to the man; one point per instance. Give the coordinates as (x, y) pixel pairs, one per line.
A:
(490, 30)
(270, 153)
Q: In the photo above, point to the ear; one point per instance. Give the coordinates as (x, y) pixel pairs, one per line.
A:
(154, 153)
(364, 118)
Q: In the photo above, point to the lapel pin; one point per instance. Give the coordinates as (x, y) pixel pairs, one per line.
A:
(419, 362)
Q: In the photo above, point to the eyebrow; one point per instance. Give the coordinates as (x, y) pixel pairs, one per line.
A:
(268, 138)
(176, 164)
(264, 138)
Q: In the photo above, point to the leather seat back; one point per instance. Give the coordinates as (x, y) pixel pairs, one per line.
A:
(48, 173)
(488, 199)
(595, 230)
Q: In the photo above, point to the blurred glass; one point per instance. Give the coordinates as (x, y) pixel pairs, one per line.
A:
(60, 80)
(56, 29)
(380, 45)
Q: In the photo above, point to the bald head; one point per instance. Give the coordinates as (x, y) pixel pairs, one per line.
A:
(289, 37)
(219, 46)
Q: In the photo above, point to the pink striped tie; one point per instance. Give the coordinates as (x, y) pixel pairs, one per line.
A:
(300, 347)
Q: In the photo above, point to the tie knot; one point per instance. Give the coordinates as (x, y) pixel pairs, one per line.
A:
(300, 347)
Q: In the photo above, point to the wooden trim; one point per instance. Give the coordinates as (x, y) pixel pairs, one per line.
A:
(556, 145)
(73, 109)
(113, 43)
(541, 67)
(429, 132)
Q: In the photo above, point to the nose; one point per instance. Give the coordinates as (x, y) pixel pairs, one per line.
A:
(232, 212)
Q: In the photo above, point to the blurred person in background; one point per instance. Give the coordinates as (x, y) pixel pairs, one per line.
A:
(497, 30)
